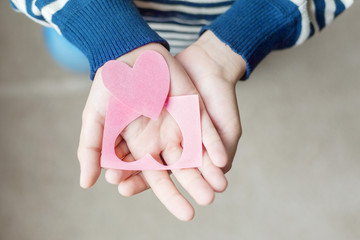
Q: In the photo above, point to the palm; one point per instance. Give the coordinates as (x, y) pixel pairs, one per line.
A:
(151, 136)
(218, 95)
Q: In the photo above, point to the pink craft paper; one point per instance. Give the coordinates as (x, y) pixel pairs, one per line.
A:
(185, 111)
(143, 90)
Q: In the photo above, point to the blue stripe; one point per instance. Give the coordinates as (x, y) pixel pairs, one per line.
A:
(167, 14)
(320, 13)
(340, 7)
(30, 12)
(13, 6)
(192, 4)
(312, 30)
(43, 3)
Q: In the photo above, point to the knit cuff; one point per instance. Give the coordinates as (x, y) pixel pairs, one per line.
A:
(104, 29)
(253, 28)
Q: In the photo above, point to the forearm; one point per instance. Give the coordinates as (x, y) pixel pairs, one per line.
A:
(253, 28)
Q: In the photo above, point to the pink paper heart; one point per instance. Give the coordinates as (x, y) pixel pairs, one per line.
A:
(143, 88)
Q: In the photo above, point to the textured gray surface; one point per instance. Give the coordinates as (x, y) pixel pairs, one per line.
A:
(296, 174)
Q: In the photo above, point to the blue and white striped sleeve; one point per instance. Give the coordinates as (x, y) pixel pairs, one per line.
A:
(253, 28)
(102, 29)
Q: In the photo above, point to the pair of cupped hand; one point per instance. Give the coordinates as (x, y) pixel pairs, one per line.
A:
(208, 68)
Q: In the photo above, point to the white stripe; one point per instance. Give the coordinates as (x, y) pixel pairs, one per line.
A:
(35, 9)
(330, 8)
(305, 21)
(177, 43)
(14, 2)
(180, 36)
(178, 20)
(21, 6)
(347, 3)
(49, 10)
(175, 50)
(182, 8)
(299, 2)
(174, 27)
(312, 8)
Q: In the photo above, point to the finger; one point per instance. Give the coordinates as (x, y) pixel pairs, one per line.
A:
(226, 120)
(213, 175)
(115, 176)
(89, 150)
(121, 148)
(168, 194)
(190, 179)
(212, 141)
(133, 185)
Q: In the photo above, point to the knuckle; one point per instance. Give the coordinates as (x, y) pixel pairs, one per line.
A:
(171, 151)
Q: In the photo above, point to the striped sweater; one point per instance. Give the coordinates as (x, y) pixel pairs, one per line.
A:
(106, 29)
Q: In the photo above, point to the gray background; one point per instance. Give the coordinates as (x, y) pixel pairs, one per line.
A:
(296, 174)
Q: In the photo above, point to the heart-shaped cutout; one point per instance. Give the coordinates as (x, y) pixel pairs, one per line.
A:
(145, 139)
(186, 112)
(144, 87)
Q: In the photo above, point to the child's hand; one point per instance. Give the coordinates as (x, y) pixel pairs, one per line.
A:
(148, 136)
(214, 69)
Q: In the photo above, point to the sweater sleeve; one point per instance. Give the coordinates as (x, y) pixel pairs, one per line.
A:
(102, 29)
(253, 28)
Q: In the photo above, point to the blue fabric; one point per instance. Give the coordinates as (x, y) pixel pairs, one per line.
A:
(253, 28)
(30, 12)
(13, 6)
(104, 29)
(320, 13)
(340, 7)
(41, 3)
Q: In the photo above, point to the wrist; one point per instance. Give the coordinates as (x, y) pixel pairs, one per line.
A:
(232, 65)
(131, 56)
